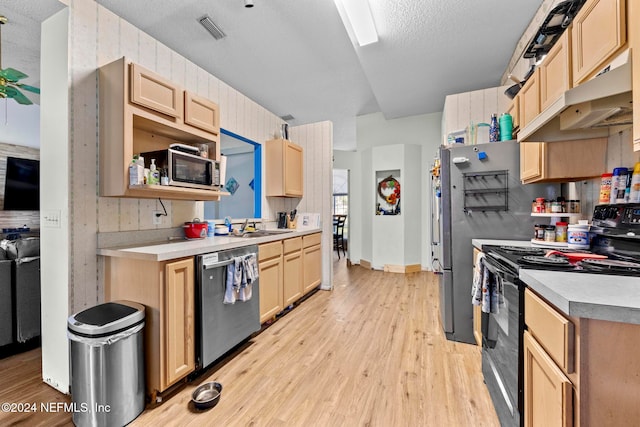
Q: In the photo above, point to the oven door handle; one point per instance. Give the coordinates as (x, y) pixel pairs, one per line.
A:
(504, 275)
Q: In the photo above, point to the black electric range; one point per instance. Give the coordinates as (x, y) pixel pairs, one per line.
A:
(614, 250)
(513, 258)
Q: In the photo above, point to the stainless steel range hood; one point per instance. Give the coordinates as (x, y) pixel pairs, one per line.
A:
(585, 111)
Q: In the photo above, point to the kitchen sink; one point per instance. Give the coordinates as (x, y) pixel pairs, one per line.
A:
(261, 233)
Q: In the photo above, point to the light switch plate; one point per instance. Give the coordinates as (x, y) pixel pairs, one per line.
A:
(51, 218)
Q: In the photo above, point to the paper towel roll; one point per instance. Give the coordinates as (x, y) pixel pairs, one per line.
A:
(223, 170)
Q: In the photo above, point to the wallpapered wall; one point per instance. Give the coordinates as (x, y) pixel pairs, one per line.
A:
(98, 37)
(11, 219)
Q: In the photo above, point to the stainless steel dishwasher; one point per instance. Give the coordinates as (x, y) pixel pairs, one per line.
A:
(219, 326)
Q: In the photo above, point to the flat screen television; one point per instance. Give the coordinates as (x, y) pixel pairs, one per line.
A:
(22, 185)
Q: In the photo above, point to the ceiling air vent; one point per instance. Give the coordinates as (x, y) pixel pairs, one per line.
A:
(211, 26)
(287, 118)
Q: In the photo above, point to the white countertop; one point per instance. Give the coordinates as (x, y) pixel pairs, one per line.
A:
(592, 296)
(163, 251)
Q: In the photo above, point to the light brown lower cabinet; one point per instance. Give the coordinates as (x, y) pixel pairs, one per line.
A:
(548, 393)
(167, 291)
(292, 267)
(289, 269)
(578, 371)
(312, 261)
(270, 272)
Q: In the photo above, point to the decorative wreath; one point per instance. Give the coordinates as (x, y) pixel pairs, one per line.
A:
(389, 183)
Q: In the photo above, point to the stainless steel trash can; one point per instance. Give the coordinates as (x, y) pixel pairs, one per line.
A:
(107, 364)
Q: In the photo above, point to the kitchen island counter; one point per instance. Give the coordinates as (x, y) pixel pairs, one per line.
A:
(591, 296)
(168, 250)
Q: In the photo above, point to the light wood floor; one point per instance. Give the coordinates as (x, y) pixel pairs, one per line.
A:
(371, 352)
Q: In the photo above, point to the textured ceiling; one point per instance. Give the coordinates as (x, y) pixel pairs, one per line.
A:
(295, 57)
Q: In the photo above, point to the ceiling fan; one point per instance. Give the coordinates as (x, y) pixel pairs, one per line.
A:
(9, 79)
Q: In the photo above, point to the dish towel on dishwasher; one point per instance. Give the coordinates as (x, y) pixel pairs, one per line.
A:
(241, 274)
(249, 275)
(233, 282)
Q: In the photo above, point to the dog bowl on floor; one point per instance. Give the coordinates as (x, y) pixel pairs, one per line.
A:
(207, 395)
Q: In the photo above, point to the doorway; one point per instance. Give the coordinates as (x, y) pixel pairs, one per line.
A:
(340, 210)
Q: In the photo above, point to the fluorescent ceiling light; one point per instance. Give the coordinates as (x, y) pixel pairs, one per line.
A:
(356, 15)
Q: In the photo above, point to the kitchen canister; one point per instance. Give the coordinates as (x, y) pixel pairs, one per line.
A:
(578, 236)
(506, 127)
(605, 188)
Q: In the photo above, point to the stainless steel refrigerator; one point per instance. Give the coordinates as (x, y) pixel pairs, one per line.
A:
(478, 195)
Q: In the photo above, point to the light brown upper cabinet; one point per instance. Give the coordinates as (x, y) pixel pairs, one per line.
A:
(201, 113)
(529, 99)
(284, 168)
(141, 111)
(514, 110)
(599, 32)
(155, 92)
(562, 160)
(555, 71)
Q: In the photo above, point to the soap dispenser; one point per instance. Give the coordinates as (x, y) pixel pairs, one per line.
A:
(154, 173)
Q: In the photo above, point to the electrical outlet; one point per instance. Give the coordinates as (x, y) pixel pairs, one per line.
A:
(157, 217)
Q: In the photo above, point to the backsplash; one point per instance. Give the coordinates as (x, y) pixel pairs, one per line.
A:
(14, 219)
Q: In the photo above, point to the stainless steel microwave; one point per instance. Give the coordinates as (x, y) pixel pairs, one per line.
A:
(185, 169)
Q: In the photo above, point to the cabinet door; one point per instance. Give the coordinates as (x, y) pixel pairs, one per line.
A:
(152, 91)
(293, 170)
(312, 267)
(201, 113)
(292, 278)
(270, 288)
(529, 97)
(548, 393)
(555, 72)
(514, 110)
(178, 338)
(531, 160)
(599, 31)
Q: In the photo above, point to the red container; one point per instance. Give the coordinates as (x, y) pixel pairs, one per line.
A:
(195, 229)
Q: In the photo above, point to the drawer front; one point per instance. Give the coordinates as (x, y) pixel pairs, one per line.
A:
(292, 245)
(311, 239)
(269, 250)
(551, 329)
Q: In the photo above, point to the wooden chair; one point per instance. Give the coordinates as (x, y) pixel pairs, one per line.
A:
(338, 233)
